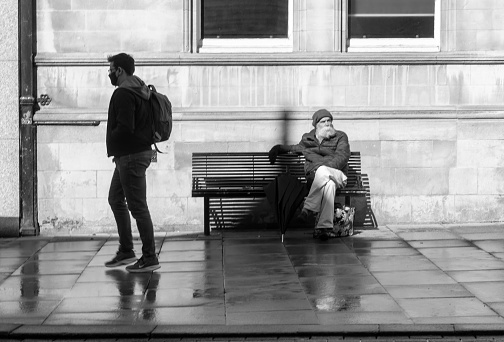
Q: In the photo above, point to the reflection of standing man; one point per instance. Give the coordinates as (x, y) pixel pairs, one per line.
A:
(326, 152)
(128, 141)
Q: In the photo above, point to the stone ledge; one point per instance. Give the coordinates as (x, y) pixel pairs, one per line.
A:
(266, 114)
(277, 59)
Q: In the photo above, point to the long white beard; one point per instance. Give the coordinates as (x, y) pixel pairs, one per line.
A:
(326, 132)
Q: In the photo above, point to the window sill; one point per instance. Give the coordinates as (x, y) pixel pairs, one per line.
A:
(393, 45)
(272, 45)
(293, 58)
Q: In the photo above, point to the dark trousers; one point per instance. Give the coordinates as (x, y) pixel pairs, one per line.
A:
(128, 193)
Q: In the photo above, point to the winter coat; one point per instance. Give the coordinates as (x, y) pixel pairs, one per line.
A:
(333, 152)
(128, 124)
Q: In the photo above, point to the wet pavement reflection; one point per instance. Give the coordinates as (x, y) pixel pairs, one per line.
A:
(390, 275)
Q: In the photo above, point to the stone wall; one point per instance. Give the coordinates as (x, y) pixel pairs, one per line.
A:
(9, 119)
(429, 126)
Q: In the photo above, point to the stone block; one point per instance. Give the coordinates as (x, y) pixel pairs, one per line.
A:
(62, 20)
(318, 96)
(103, 179)
(382, 181)
(358, 130)
(84, 156)
(474, 19)
(490, 181)
(418, 75)
(466, 40)
(9, 178)
(9, 118)
(480, 129)
(61, 214)
(97, 211)
(250, 147)
(391, 209)
(370, 152)
(356, 96)
(9, 32)
(72, 134)
(440, 95)
(321, 5)
(57, 5)
(463, 181)
(48, 158)
(168, 211)
(418, 130)
(480, 153)
(195, 208)
(183, 152)
(67, 184)
(339, 76)
(413, 95)
(168, 184)
(440, 75)
(444, 153)
(406, 154)
(319, 40)
(479, 208)
(383, 75)
(432, 209)
(421, 181)
(320, 19)
(482, 75)
(359, 75)
(379, 96)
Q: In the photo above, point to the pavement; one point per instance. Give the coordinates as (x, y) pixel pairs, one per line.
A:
(415, 283)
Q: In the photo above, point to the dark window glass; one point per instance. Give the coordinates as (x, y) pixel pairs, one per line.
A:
(245, 18)
(391, 18)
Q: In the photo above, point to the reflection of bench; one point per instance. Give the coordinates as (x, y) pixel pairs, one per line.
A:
(227, 180)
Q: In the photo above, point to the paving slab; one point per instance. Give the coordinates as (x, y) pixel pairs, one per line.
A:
(435, 281)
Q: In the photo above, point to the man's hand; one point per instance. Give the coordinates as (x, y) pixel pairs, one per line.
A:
(275, 151)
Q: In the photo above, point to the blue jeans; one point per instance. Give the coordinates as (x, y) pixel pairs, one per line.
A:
(128, 193)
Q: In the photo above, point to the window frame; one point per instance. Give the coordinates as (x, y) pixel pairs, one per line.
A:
(242, 45)
(396, 44)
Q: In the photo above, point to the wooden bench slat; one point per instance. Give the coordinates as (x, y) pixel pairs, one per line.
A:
(232, 182)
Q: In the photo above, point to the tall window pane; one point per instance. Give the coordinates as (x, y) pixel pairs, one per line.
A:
(245, 18)
(391, 18)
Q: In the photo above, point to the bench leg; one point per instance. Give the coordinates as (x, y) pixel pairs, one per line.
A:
(348, 201)
(206, 216)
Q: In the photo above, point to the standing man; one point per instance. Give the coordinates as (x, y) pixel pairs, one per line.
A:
(128, 142)
(326, 152)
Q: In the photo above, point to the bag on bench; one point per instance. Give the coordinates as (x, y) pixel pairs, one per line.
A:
(343, 220)
(342, 223)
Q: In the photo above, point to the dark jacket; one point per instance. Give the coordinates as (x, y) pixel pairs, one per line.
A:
(333, 152)
(128, 124)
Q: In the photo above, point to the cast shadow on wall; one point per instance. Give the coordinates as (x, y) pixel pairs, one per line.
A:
(257, 213)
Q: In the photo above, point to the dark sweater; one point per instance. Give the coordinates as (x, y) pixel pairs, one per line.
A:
(128, 123)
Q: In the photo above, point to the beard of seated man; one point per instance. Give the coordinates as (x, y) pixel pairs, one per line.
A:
(326, 132)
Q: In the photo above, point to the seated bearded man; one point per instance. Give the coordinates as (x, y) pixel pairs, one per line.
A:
(326, 152)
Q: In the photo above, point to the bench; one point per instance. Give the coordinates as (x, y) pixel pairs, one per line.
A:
(232, 183)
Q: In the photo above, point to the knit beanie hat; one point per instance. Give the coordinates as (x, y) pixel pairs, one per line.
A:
(319, 114)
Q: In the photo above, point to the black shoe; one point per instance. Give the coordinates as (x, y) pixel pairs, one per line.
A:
(121, 258)
(305, 215)
(143, 265)
(324, 236)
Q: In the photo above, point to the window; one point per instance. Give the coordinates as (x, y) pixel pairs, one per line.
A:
(246, 26)
(393, 25)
